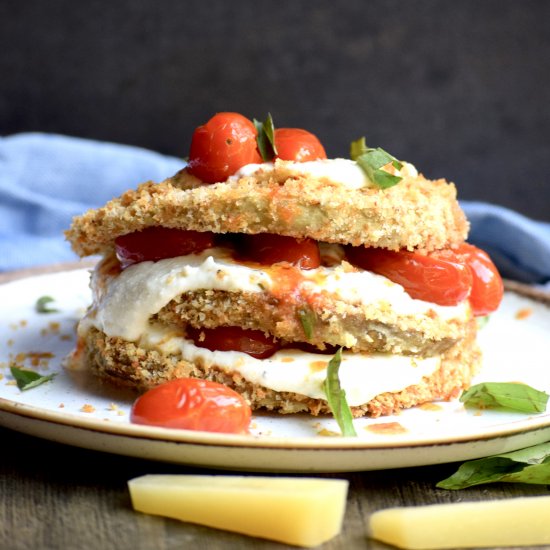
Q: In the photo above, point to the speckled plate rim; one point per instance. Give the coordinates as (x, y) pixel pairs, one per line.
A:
(372, 455)
(524, 426)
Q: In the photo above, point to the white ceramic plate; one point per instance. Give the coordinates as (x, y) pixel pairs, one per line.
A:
(75, 409)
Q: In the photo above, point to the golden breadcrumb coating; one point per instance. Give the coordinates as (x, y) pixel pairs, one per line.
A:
(416, 213)
(367, 327)
(297, 315)
(123, 363)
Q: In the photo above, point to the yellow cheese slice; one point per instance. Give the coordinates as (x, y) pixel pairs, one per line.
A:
(512, 522)
(298, 511)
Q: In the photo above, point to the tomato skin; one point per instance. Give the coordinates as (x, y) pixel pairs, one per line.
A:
(252, 342)
(157, 243)
(487, 286)
(298, 145)
(439, 278)
(269, 249)
(193, 404)
(220, 147)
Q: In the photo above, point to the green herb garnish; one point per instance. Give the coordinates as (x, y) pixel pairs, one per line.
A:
(27, 379)
(358, 148)
(509, 395)
(336, 397)
(371, 161)
(41, 305)
(307, 318)
(266, 138)
(482, 321)
(530, 465)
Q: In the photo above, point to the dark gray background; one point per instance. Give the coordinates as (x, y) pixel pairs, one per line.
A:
(460, 89)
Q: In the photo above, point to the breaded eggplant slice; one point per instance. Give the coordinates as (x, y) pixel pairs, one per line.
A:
(415, 214)
(124, 364)
(331, 321)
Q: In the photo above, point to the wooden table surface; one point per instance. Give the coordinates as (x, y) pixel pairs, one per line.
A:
(54, 496)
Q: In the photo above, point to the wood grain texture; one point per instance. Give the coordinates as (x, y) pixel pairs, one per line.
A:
(54, 496)
(61, 497)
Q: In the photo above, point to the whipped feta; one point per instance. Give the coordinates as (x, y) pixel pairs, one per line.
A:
(340, 171)
(124, 305)
(126, 301)
(362, 375)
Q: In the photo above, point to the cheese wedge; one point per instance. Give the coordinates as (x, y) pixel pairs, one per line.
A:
(299, 511)
(510, 522)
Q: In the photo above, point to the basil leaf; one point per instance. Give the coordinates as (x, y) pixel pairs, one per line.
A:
(42, 307)
(372, 162)
(266, 138)
(510, 395)
(27, 379)
(336, 397)
(307, 318)
(358, 148)
(530, 465)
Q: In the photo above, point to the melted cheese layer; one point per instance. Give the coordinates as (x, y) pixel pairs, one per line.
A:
(362, 376)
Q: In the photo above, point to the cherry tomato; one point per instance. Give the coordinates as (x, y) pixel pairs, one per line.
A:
(298, 145)
(252, 342)
(439, 278)
(222, 146)
(269, 249)
(157, 243)
(487, 287)
(193, 404)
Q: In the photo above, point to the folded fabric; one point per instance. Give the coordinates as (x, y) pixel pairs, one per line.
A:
(46, 179)
(519, 246)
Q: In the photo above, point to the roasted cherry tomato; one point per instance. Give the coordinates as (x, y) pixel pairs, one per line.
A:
(269, 249)
(252, 342)
(439, 278)
(192, 404)
(298, 145)
(222, 146)
(157, 243)
(487, 286)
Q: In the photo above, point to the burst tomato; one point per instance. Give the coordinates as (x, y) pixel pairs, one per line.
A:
(442, 279)
(252, 342)
(157, 243)
(487, 286)
(222, 146)
(192, 404)
(298, 145)
(268, 249)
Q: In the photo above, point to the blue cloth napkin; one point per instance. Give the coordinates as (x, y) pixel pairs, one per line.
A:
(46, 179)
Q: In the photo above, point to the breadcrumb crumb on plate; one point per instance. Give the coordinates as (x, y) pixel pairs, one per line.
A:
(446, 432)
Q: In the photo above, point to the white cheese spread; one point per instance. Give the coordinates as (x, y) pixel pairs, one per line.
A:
(362, 375)
(124, 304)
(341, 171)
(133, 296)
